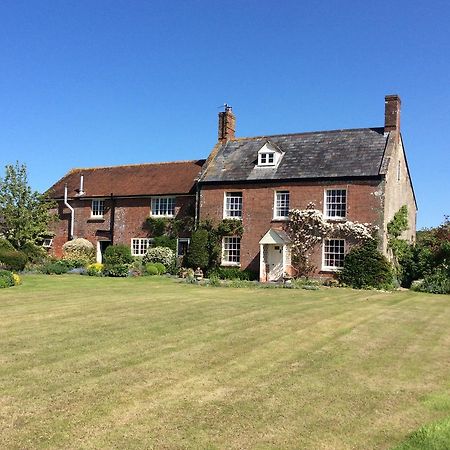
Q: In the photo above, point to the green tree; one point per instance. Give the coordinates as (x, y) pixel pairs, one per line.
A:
(25, 215)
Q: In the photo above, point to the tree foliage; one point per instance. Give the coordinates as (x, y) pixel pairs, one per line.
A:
(25, 215)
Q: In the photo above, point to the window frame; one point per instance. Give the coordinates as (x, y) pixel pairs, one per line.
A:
(157, 199)
(100, 201)
(334, 268)
(267, 154)
(227, 262)
(325, 204)
(188, 240)
(275, 205)
(149, 243)
(229, 194)
(48, 244)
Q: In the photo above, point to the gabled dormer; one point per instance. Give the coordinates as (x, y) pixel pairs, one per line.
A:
(269, 155)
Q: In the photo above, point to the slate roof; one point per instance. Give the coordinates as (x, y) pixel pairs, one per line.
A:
(131, 180)
(323, 154)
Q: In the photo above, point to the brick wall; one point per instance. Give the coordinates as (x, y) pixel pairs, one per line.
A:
(129, 219)
(364, 204)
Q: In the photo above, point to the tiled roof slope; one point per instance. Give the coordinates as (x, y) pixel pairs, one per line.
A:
(323, 154)
(131, 180)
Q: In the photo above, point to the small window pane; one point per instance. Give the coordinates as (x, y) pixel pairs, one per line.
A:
(336, 203)
(233, 205)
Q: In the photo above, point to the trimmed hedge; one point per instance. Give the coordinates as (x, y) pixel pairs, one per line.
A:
(151, 269)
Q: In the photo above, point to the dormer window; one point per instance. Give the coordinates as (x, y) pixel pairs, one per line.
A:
(269, 155)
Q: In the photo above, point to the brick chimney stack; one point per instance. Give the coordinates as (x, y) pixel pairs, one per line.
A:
(392, 105)
(227, 124)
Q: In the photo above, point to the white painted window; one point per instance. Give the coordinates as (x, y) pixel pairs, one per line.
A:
(281, 207)
(233, 205)
(231, 251)
(266, 159)
(98, 208)
(182, 246)
(139, 246)
(47, 243)
(335, 203)
(163, 206)
(333, 254)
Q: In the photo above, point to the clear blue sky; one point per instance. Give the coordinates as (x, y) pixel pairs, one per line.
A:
(87, 83)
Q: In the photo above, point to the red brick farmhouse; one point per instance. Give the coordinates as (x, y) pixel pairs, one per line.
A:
(359, 175)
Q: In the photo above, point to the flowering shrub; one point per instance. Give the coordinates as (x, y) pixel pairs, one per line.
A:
(163, 255)
(95, 269)
(17, 279)
(79, 249)
(6, 279)
(308, 227)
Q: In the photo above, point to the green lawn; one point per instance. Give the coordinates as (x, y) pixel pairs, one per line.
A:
(152, 363)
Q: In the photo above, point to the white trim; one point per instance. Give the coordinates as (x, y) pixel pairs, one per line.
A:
(97, 216)
(275, 217)
(49, 243)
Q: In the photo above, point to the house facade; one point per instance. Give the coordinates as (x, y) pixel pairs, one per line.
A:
(112, 205)
(358, 175)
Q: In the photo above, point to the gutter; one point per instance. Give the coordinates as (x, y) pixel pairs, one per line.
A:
(72, 213)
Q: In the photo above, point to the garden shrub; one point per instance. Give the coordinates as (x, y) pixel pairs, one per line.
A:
(163, 255)
(55, 268)
(13, 260)
(116, 270)
(118, 254)
(436, 283)
(80, 250)
(6, 279)
(17, 279)
(198, 255)
(214, 281)
(366, 267)
(151, 269)
(161, 268)
(95, 270)
(232, 273)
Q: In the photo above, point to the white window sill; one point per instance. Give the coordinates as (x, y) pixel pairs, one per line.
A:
(230, 264)
(96, 217)
(233, 217)
(281, 219)
(336, 219)
(331, 269)
(160, 216)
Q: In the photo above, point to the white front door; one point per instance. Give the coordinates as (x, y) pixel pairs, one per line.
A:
(275, 262)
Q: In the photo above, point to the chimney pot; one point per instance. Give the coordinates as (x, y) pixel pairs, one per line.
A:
(392, 105)
(227, 124)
